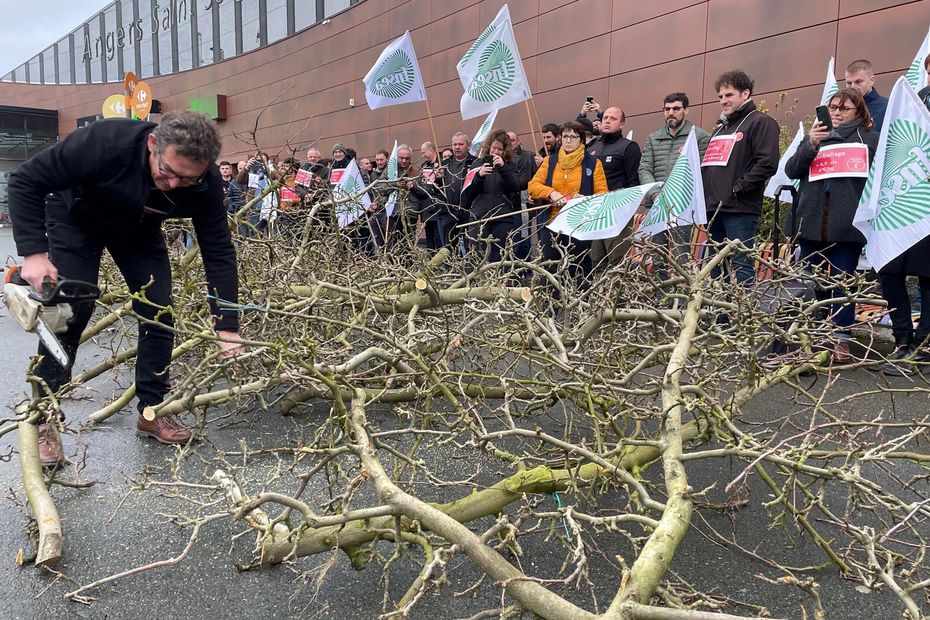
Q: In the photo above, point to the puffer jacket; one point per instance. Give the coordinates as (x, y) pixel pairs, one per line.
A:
(836, 220)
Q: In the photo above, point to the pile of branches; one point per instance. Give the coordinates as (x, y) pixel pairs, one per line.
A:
(581, 409)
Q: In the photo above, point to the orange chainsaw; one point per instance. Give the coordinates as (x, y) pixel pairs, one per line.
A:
(49, 312)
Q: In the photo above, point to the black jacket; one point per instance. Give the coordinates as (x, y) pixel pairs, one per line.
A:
(738, 186)
(844, 192)
(102, 172)
(454, 175)
(620, 158)
(492, 194)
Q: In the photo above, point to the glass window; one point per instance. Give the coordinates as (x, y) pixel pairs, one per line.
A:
(93, 49)
(304, 13)
(227, 29)
(64, 61)
(48, 65)
(110, 48)
(250, 34)
(277, 20)
(41, 133)
(331, 7)
(185, 50)
(163, 12)
(34, 70)
(205, 35)
(147, 69)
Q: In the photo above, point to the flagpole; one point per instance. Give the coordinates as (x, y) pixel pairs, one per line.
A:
(504, 215)
(432, 127)
(538, 122)
(532, 129)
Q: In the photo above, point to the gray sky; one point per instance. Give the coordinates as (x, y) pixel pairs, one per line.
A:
(27, 28)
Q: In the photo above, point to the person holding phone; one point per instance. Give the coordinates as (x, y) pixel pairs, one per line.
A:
(827, 201)
(491, 193)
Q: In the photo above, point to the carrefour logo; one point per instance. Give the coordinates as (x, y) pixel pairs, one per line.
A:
(497, 71)
(395, 77)
(904, 194)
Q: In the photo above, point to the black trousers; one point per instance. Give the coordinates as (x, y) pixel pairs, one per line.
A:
(894, 290)
(75, 248)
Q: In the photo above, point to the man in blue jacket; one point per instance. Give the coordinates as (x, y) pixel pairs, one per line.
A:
(859, 75)
(109, 186)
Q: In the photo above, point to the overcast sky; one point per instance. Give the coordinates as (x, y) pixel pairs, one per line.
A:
(27, 28)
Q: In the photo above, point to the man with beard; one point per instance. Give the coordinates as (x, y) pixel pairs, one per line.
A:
(741, 156)
(659, 156)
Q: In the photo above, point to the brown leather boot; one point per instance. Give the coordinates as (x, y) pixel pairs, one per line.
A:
(168, 430)
(49, 445)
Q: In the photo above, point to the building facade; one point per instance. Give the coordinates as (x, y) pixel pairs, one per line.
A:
(290, 71)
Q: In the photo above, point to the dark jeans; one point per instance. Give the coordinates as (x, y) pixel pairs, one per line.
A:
(732, 226)
(894, 290)
(75, 249)
(835, 258)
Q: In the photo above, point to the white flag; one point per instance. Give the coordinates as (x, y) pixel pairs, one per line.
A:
(392, 176)
(601, 216)
(780, 178)
(629, 135)
(482, 133)
(350, 185)
(503, 15)
(396, 77)
(830, 88)
(916, 74)
(894, 210)
(492, 70)
(681, 201)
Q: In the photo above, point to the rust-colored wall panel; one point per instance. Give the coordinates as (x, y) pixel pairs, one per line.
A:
(801, 55)
(579, 62)
(730, 22)
(849, 8)
(629, 13)
(639, 46)
(580, 20)
(623, 53)
(905, 25)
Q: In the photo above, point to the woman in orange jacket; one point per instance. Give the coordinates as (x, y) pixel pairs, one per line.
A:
(568, 173)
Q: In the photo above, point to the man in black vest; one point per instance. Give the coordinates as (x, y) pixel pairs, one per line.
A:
(620, 158)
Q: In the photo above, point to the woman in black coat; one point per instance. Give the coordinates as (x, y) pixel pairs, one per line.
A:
(491, 194)
(828, 240)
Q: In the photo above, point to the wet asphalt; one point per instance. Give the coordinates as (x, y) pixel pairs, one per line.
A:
(111, 527)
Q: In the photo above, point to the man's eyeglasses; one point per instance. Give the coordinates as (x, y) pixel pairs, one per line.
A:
(566, 137)
(167, 172)
(840, 108)
(676, 108)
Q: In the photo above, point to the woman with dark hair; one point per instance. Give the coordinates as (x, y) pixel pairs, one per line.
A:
(490, 195)
(829, 242)
(567, 173)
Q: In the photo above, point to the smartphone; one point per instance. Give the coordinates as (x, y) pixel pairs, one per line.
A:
(257, 167)
(589, 99)
(823, 115)
(488, 159)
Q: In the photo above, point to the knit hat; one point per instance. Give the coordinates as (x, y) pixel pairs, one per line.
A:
(339, 146)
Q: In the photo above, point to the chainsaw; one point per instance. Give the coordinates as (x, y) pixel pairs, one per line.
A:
(47, 313)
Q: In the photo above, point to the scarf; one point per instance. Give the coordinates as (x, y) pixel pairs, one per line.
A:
(570, 161)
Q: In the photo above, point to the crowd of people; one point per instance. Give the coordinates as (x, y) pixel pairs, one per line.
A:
(64, 208)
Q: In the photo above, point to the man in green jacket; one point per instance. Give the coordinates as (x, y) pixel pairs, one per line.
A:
(659, 155)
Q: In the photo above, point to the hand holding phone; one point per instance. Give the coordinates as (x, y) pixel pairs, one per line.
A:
(823, 115)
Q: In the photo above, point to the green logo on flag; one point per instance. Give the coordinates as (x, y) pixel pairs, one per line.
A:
(904, 190)
(395, 76)
(497, 70)
(595, 213)
(913, 72)
(477, 44)
(678, 191)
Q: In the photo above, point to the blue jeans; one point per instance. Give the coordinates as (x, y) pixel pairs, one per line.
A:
(840, 257)
(732, 226)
